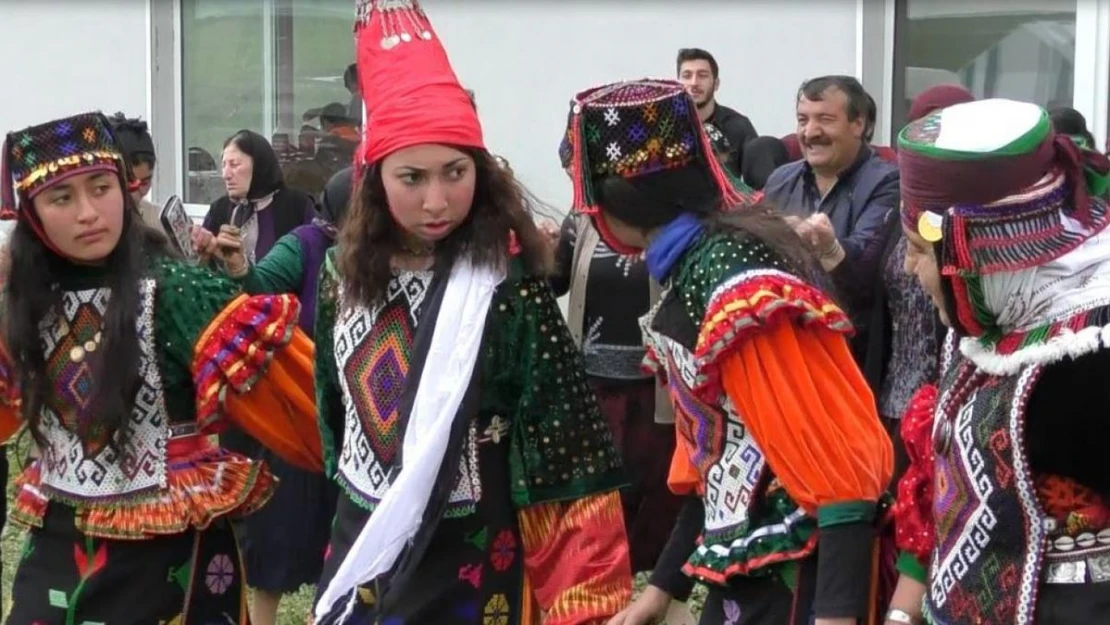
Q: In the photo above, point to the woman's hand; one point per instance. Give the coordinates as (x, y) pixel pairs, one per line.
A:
(229, 249)
(204, 243)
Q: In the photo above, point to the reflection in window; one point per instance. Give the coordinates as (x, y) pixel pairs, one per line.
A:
(1016, 49)
(276, 67)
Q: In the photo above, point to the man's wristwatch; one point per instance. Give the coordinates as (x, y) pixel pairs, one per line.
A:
(894, 615)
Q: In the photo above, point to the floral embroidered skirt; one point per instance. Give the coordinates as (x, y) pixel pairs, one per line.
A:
(67, 578)
(470, 575)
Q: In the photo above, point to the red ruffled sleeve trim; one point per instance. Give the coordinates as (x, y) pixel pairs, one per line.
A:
(913, 512)
(236, 347)
(750, 305)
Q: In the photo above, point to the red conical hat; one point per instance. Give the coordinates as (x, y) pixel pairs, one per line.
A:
(411, 93)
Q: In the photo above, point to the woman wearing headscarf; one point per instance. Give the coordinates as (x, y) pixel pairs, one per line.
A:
(284, 542)
(257, 202)
(261, 209)
(1004, 513)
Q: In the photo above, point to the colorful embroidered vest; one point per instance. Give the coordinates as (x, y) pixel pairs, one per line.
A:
(989, 526)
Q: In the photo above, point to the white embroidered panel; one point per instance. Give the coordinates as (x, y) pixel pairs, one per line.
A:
(358, 464)
(734, 473)
(69, 467)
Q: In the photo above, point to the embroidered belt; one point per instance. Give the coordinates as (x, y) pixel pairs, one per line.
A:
(1080, 559)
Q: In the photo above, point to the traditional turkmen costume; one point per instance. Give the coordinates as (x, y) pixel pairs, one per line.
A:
(478, 478)
(139, 534)
(779, 452)
(1005, 511)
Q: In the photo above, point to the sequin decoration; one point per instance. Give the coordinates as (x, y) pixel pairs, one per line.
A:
(39, 154)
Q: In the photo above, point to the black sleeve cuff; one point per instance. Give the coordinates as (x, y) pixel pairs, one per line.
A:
(844, 571)
(668, 575)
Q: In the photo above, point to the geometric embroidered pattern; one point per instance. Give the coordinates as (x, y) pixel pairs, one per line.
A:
(82, 470)
(990, 539)
(726, 455)
(960, 502)
(372, 356)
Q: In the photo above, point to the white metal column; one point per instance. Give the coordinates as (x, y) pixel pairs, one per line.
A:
(269, 69)
(1092, 65)
(875, 59)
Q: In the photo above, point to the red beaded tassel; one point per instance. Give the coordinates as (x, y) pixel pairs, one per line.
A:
(584, 201)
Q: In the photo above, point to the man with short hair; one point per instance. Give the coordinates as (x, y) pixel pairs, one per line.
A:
(698, 73)
(841, 192)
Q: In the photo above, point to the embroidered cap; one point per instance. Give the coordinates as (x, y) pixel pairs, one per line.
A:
(36, 157)
(639, 127)
(994, 175)
(1002, 191)
(411, 92)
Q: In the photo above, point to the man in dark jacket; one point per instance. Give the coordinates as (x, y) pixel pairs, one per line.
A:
(840, 193)
(698, 72)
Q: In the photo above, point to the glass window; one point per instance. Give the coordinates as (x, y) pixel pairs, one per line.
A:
(275, 67)
(1018, 49)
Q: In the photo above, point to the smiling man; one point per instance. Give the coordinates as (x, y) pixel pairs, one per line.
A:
(699, 74)
(841, 192)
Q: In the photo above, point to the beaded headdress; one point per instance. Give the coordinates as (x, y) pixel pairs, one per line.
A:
(412, 94)
(1003, 192)
(39, 156)
(639, 127)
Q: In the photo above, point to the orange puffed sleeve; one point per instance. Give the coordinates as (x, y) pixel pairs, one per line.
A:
(806, 402)
(683, 478)
(254, 366)
(575, 560)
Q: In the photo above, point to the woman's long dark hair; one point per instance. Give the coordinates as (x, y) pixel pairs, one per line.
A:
(32, 294)
(370, 236)
(654, 200)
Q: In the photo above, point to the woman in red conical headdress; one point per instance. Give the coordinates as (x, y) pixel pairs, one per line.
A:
(478, 478)
(122, 361)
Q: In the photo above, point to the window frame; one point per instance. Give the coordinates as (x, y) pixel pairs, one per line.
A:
(1091, 82)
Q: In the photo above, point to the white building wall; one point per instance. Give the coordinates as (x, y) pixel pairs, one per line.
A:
(62, 57)
(67, 56)
(526, 59)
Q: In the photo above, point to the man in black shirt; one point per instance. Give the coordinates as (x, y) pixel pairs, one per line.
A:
(698, 72)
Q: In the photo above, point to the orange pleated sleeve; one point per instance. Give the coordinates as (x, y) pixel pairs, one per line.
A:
(253, 366)
(575, 561)
(805, 401)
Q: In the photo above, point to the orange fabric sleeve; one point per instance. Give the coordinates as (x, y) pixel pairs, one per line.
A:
(683, 478)
(254, 367)
(576, 560)
(280, 409)
(806, 402)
